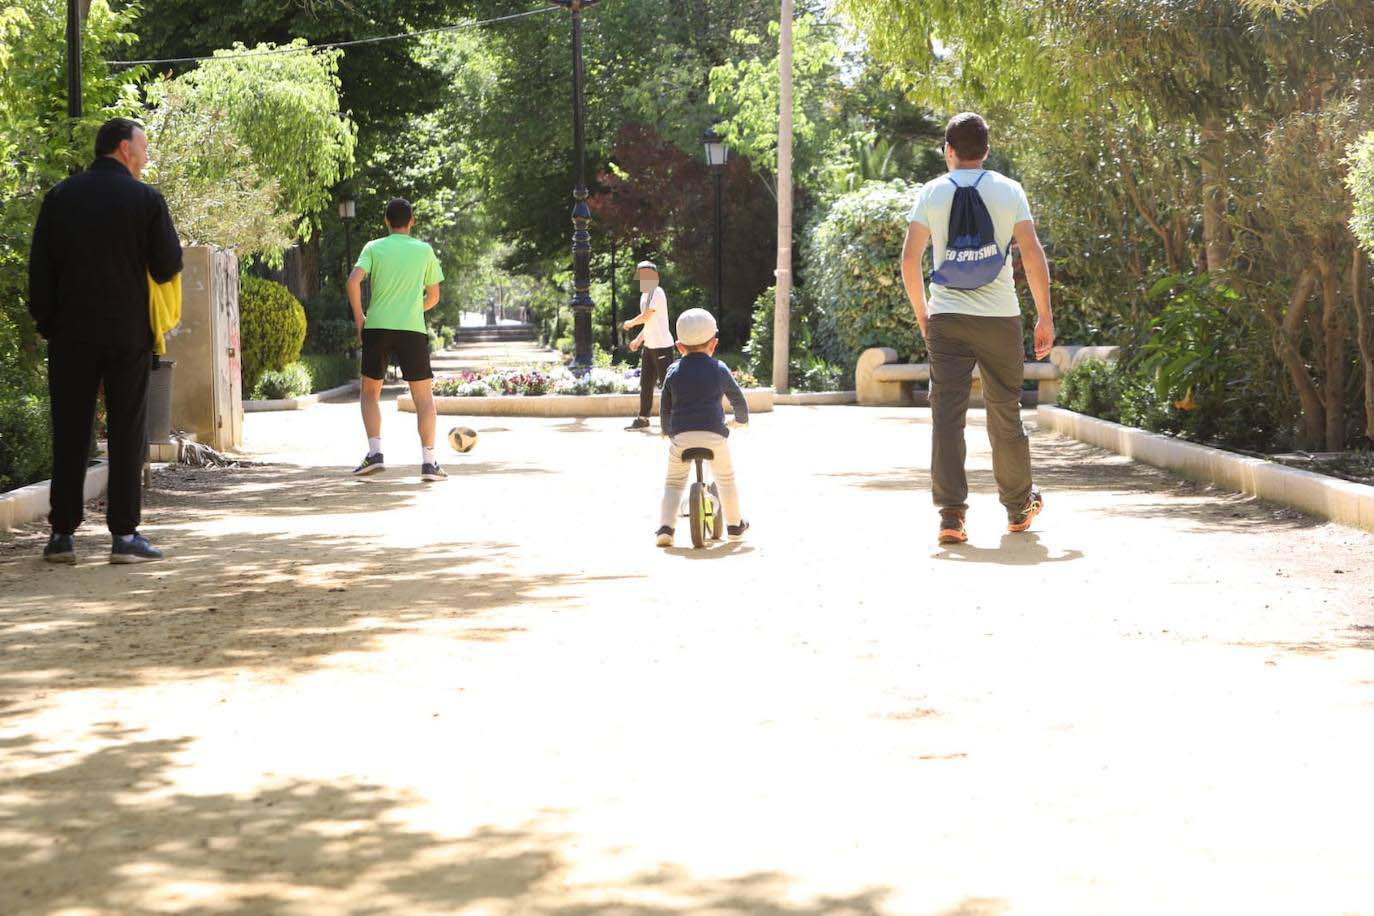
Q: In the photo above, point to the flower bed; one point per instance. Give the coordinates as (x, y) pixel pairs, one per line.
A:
(532, 382)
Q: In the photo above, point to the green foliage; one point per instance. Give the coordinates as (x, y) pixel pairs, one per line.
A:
(329, 370)
(271, 326)
(25, 440)
(291, 381)
(331, 336)
(1094, 388)
(746, 91)
(1361, 184)
(284, 108)
(851, 259)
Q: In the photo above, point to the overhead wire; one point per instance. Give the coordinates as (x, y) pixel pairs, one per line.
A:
(328, 46)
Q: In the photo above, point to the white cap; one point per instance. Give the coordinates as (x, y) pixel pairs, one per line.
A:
(647, 265)
(695, 327)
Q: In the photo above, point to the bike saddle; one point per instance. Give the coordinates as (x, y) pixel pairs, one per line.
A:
(698, 454)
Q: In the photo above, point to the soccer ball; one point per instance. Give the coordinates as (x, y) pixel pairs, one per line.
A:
(462, 438)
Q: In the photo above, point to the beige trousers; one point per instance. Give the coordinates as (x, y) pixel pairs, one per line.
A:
(721, 469)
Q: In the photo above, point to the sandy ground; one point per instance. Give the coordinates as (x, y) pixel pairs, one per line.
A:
(493, 695)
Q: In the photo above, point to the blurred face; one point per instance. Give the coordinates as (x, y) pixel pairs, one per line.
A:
(648, 279)
(134, 153)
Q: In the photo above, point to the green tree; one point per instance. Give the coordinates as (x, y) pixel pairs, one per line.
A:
(284, 108)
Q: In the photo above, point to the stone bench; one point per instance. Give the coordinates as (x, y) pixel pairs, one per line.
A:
(881, 380)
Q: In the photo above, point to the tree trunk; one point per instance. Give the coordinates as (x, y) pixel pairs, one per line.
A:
(1335, 330)
(1288, 343)
(1215, 233)
(1364, 325)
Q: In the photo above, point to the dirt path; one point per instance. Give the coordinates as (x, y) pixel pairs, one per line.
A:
(494, 696)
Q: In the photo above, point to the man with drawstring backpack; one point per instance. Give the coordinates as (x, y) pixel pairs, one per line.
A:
(970, 217)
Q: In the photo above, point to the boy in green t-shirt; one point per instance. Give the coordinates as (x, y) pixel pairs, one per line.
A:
(405, 278)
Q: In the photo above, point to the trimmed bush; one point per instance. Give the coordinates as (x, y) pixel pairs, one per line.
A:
(271, 327)
(852, 261)
(1094, 389)
(291, 382)
(331, 336)
(329, 371)
(25, 441)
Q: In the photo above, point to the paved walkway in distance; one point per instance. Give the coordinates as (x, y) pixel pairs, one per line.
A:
(484, 355)
(494, 695)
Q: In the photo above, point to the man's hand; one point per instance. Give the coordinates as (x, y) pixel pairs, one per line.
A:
(360, 333)
(628, 323)
(922, 321)
(1044, 337)
(636, 344)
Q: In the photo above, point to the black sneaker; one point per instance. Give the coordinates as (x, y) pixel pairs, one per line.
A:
(737, 531)
(639, 423)
(371, 465)
(1020, 521)
(432, 472)
(952, 527)
(135, 550)
(61, 549)
(663, 537)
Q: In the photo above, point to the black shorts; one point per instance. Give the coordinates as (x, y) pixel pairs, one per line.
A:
(410, 348)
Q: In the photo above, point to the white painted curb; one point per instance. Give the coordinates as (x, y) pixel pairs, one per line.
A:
(565, 406)
(811, 398)
(301, 403)
(27, 504)
(1341, 501)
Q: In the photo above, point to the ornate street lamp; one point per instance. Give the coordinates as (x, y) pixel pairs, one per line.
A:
(581, 214)
(348, 208)
(716, 154)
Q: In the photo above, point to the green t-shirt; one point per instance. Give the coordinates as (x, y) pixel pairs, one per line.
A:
(400, 267)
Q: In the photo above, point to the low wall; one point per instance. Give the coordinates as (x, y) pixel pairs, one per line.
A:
(1330, 498)
(301, 403)
(564, 405)
(29, 504)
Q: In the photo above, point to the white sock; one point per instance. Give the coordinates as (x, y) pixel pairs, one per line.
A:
(428, 456)
(374, 446)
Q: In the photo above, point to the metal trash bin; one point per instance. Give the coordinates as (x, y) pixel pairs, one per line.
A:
(160, 401)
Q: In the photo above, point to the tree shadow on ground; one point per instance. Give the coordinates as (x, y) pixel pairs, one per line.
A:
(259, 599)
(110, 830)
(1360, 636)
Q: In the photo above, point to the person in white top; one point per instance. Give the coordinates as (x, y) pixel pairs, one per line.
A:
(656, 338)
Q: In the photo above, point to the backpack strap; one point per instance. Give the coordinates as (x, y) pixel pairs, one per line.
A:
(981, 176)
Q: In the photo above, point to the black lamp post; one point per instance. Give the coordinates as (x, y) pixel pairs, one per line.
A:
(348, 208)
(716, 154)
(581, 214)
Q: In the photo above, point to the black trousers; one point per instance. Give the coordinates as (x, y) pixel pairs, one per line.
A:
(76, 371)
(653, 367)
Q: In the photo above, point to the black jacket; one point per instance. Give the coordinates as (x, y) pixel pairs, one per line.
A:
(99, 235)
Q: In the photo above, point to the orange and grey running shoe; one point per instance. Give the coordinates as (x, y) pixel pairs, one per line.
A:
(952, 527)
(1035, 504)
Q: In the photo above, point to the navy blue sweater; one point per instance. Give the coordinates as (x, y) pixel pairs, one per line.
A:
(692, 390)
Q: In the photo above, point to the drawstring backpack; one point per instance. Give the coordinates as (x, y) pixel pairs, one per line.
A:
(972, 258)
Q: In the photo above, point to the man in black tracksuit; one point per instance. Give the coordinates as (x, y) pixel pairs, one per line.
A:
(99, 236)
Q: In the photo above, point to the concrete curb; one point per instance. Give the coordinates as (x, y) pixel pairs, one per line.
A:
(301, 403)
(807, 398)
(27, 504)
(1330, 498)
(563, 405)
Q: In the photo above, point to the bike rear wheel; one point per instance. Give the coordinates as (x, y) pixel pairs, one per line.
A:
(718, 517)
(696, 514)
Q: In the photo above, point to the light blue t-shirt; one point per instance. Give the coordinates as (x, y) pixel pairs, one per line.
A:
(1007, 204)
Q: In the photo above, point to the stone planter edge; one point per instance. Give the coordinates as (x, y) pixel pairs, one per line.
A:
(562, 405)
(27, 504)
(301, 403)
